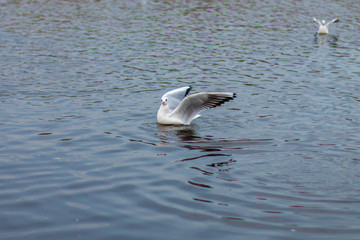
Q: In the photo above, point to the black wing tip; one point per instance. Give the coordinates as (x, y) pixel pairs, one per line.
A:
(188, 90)
(218, 101)
(337, 20)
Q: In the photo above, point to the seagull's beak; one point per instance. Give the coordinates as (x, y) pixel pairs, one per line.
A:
(163, 102)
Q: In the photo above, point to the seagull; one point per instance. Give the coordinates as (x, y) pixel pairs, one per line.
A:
(323, 26)
(180, 109)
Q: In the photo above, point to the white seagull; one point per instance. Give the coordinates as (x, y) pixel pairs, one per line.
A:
(323, 26)
(178, 108)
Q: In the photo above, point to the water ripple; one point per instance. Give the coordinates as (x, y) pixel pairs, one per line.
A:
(81, 155)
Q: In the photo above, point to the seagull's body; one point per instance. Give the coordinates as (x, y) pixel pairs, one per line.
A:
(323, 26)
(178, 108)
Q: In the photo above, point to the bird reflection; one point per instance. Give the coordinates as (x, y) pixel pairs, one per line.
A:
(187, 137)
(183, 132)
(321, 39)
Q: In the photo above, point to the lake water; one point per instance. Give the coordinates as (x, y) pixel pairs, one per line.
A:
(81, 155)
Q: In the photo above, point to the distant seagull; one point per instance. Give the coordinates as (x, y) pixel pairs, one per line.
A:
(178, 108)
(323, 26)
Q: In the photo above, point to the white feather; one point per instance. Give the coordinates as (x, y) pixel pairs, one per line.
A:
(178, 108)
(323, 26)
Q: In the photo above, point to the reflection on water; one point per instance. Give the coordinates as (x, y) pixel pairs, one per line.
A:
(321, 39)
(189, 138)
(183, 132)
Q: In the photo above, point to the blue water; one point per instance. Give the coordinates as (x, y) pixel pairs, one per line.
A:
(81, 155)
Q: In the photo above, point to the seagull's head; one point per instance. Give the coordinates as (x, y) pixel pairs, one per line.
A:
(164, 101)
(323, 22)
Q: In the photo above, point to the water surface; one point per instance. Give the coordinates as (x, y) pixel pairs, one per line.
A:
(81, 155)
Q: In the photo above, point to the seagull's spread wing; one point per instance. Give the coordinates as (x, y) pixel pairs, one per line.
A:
(316, 20)
(332, 21)
(175, 96)
(190, 106)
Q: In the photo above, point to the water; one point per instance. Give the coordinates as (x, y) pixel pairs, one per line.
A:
(81, 155)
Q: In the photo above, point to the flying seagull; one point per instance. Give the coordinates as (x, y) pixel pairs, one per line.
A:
(179, 108)
(323, 26)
